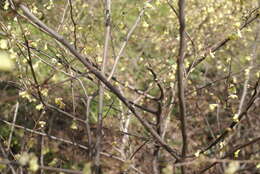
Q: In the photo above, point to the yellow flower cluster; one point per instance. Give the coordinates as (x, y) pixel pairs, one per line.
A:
(24, 94)
(59, 102)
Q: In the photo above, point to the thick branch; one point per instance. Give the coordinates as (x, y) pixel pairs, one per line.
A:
(84, 60)
(180, 74)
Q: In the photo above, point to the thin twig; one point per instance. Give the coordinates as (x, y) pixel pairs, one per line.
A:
(87, 107)
(59, 139)
(220, 44)
(29, 61)
(97, 165)
(85, 61)
(63, 16)
(4, 153)
(156, 151)
(12, 127)
(238, 119)
(74, 24)
(248, 72)
(231, 153)
(41, 167)
(137, 21)
(138, 149)
(67, 142)
(188, 36)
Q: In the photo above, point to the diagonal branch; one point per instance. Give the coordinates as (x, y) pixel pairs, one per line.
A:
(85, 61)
(221, 43)
(129, 34)
(51, 137)
(238, 118)
(230, 153)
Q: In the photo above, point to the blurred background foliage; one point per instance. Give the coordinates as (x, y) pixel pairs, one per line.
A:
(217, 81)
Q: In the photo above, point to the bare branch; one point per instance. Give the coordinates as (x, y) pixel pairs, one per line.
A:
(126, 41)
(97, 166)
(12, 128)
(181, 80)
(85, 61)
(220, 44)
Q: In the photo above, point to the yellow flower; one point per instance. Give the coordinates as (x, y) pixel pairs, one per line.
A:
(33, 163)
(213, 106)
(237, 153)
(6, 63)
(236, 118)
(59, 102)
(39, 107)
(233, 96)
(24, 94)
(44, 92)
(258, 166)
(197, 154)
(3, 44)
(42, 123)
(74, 125)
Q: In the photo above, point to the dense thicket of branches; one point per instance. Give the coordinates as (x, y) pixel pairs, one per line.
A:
(129, 86)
